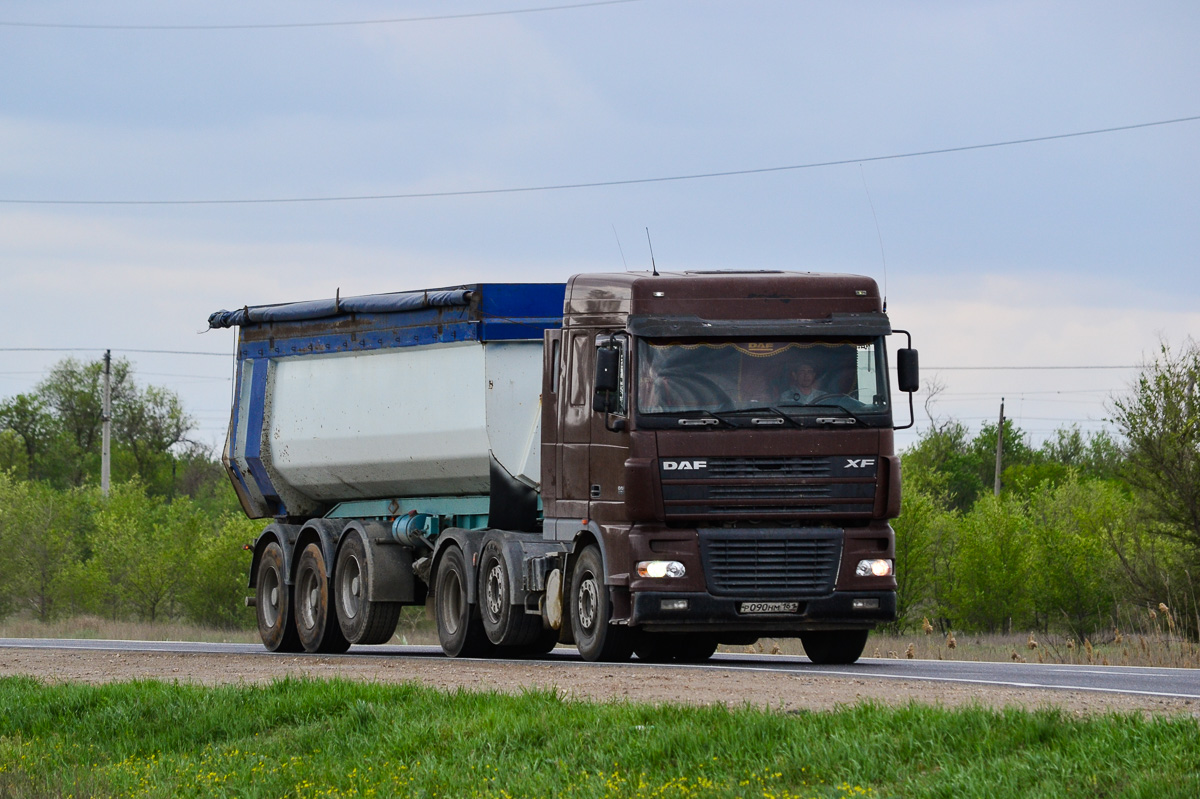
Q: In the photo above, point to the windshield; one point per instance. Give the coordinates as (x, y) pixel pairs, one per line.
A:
(792, 379)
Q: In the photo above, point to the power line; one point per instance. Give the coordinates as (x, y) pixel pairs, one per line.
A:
(335, 24)
(114, 349)
(1026, 393)
(1016, 368)
(605, 183)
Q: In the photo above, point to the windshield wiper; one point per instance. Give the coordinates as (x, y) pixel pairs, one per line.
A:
(777, 416)
(705, 417)
(854, 417)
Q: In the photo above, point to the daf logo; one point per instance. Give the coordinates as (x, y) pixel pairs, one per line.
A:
(859, 463)
(673, 466)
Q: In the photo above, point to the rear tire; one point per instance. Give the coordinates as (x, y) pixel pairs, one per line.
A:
(506, 625)
(460, 628)
(316, 621)
(542, 645)
(591, 612)
(273, 603)
(361, 621)
(834, 647)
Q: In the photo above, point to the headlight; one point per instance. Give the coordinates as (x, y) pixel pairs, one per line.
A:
(879, 567)
(660, 568)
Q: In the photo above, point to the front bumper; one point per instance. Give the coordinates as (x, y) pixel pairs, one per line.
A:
(707, 613)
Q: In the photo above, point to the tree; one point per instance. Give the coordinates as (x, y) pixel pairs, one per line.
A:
(214, 585)
(924, 532)
(41, 531)
(991, 567)
(140, 551)
(1078, 579)
(27, 418)
(59, 425)
(1160, 419)
(13, 459)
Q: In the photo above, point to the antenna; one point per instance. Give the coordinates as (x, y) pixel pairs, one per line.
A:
(878, 233)
(619, 247)
(653, 268)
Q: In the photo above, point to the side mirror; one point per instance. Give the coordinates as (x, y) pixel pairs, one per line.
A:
(608, 379)
(907, 373)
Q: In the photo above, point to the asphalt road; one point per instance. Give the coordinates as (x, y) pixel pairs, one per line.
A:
(1140, 681)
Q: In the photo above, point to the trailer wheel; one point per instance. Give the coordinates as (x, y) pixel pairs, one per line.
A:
(591, 611)
(506, 625)
(316, 620)
(834, 647)
(460, 629)
(361, 621)
(273, 603)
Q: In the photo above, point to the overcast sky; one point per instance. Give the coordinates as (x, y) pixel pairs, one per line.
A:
(1081, 251)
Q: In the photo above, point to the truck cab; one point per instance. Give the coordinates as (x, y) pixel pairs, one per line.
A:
(724, 442)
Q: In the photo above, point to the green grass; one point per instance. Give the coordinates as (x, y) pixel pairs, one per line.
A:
(307, 738)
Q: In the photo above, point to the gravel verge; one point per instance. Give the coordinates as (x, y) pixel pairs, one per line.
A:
(783, 692)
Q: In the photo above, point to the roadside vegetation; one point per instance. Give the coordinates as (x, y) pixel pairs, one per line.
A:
(1090, 553)
(1093, 539)
(300, 738)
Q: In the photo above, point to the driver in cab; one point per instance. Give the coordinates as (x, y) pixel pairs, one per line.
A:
(801, 384)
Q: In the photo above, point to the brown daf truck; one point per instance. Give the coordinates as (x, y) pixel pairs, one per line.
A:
(709, 460)
(717, 451)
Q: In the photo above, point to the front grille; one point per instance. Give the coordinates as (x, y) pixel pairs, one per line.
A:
(768, 488)
(767, 468)
(770, 492)
(771, 563)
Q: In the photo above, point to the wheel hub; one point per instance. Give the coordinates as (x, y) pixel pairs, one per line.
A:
(588, 603)
(495, 590)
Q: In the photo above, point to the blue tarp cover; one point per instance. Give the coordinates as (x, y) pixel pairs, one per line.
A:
(319, 309)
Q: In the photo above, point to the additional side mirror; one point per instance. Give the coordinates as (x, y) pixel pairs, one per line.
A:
(608, 366)
(907, 374)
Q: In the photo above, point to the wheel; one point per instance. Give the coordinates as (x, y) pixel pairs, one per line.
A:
(361, 621)
(591, 612)
(316, 621)
(460, 629)
(273, 603)
(834, 647)
(506, 624)
(541, 645)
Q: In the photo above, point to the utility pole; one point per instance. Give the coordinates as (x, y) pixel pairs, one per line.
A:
(106, 426)
(999, 448)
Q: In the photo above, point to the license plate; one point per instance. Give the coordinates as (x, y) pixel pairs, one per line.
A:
(768, 607)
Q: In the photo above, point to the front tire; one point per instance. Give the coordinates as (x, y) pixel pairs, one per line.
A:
(273, 603)
(316, 620)
(834, 647)
(459, 626)
(591, 612)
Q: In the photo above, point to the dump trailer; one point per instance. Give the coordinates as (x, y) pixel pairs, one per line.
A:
(633, 463)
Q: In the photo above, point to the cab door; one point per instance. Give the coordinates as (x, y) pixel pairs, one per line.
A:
(610, 439)
(574, 424)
